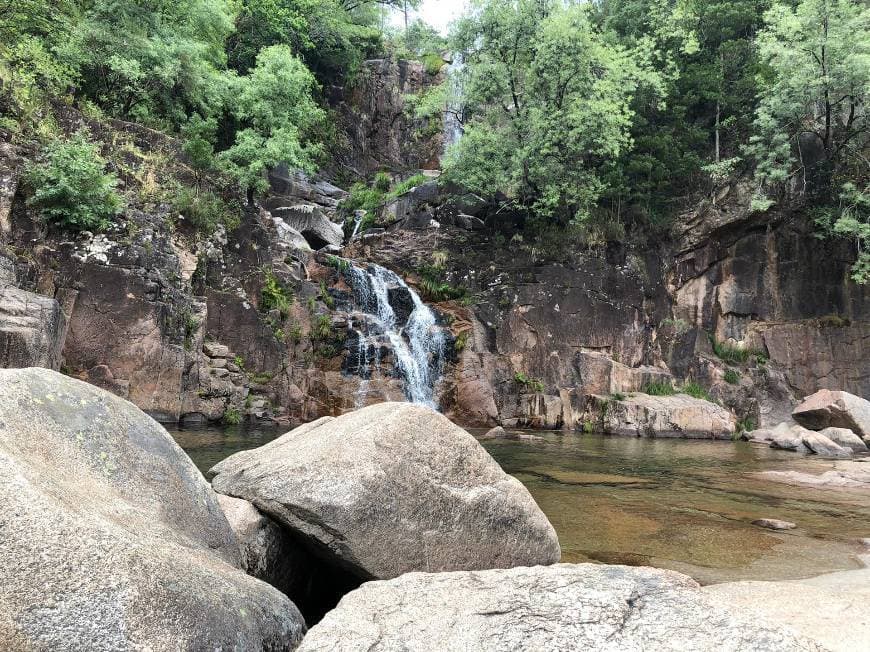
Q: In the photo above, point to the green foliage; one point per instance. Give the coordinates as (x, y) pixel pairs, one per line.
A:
(404, 186)
(588, 427)
(275, 295)
(617, 396)
(232, 416)
(732, 377)
(461, 341)
(816, 84)
(326, 297)
(433, 63)
(239, 361)
(695, 390)
(382, 182)
(659, 388)
(275, 108)
(71, 187)
(322, 328)
(732, 354)
(746, 424)
(548, 100)
(337, 263)
(204, 210)
(529, 383)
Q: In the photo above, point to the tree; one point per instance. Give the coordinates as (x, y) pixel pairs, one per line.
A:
(549, 101)
(278, 116)
(811, 127)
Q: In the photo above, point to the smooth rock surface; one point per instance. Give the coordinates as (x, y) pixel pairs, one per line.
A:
(562, 607)
(829, 409)
(642, 415)
(830, 609)
(393, 488)
(845, 438)
(308, 220)
(845, 474)
(111, 538)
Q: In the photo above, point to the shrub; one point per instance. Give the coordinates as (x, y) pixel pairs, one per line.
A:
(617, 396)
(732, 377)
(71, 187)
(695, 390)
(232, 417)
(461, 342)
(433, 63)
(659, 388)
(746, 425)
(530, 383)
(382, 182)
(322, 328)
(326, 296)
(404, 186)
(275, 296)
(204, 210)
(735, 355)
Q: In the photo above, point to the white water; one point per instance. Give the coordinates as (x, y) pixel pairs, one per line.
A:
(419, 347)
(453, 110)
(357, 221)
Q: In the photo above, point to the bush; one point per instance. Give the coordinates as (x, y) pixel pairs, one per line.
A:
(732, 377)
(694, 390)
(232, 417)
(433, 63)
(71, 187)
(659, 388)
(734, 355)
(530, 383)
(275, 296)
(204, 210)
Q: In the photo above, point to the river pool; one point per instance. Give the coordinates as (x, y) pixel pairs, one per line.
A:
(683, 505)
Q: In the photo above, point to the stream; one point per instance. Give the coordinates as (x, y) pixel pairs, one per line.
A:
(682, 505)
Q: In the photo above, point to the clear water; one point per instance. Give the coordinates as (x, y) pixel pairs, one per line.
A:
(683, 505)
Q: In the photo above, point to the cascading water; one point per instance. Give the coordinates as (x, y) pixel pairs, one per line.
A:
(419, 346)
(453, 110)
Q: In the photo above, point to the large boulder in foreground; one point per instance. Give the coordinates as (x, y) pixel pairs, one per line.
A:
(829, 409)
(642, 415)
(562, 607)
(829, 608)
(110, 538)
(393, 488)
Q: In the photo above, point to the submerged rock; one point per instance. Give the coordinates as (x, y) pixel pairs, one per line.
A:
(642, 415)
(111, 538)
(794, 437)
(845, 474)
(774, 524)
(393, 488)
(828, 409)
(562, 607)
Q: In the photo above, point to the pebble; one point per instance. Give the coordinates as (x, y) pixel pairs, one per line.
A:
(774, 524)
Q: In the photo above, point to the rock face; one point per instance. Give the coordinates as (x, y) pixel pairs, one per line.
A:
(563, 607)
(309, 221)
(32, 329)
(827, 409)
(112, 540)
(824, 608)
(390, 489)
(845, 438)
(642, 415)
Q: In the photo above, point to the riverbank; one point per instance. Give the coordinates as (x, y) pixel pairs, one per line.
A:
(675, 504)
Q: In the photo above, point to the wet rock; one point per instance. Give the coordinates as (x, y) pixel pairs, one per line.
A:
(642, 415)
(32, 329)
(401, 302)
(496, 433)
(827, 409)
(500, 433)
(774, 524)
(562, 607)
(112, 539)
(390, 489)
(845, 474)
(825, 608)
(845, 438)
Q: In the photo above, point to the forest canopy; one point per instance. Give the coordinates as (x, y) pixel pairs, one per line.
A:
(620, 112)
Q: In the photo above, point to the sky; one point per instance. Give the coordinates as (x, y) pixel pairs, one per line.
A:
(438, 13)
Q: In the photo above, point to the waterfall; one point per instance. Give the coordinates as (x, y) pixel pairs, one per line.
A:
(453, 110)
(358, 217)
(419, 345)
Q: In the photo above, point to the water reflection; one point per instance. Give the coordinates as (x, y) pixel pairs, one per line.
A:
(685, 505)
